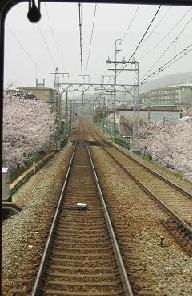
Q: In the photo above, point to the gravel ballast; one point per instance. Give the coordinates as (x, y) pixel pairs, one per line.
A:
(156, 269)
(171, 175)
(24, 235)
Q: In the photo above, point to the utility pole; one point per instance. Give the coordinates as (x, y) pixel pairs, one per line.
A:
(66, 105)
(57, 106)
(70, 115)
(72, 111)
(104, 113)
(56, 88)
(104, 87)
(83, 76)
(57, 99)
(111, 93)
(136, 124)
(134, 67)
(115, 79)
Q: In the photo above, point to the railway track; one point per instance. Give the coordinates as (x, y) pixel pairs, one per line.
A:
(81, 256)
(175, 201)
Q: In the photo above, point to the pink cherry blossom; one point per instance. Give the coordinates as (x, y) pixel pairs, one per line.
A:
(28, 127)
(170, 143)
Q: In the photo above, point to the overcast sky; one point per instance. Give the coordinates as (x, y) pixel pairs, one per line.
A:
(27, 57)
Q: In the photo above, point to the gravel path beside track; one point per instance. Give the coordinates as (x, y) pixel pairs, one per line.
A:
(162, 270)
(170, 174)
(24, 234)
(165, 172)
(174, 199)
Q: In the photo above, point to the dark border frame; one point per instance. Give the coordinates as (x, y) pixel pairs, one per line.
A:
(6, 5)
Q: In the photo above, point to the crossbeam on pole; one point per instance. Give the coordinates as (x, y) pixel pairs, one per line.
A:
(94, 84)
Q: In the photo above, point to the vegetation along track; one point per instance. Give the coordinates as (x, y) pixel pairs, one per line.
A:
(81, 255)
(174, 200)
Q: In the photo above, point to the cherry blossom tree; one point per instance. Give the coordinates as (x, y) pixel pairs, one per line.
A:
(170, 143)
(187, 111)
(28, 127)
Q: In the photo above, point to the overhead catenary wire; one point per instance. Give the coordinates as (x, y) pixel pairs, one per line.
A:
(127, 30)
(54, 36)
(184, 53)
(142, 38)
(80, 34)
(130, 24)
(157, 25)
(170, 45)
(22, 47)
(168, 33)
(149, 26)
(171, 61)
(46, 45)
(91, 37)
(177, 57)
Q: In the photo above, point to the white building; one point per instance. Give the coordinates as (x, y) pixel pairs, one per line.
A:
(180, 95)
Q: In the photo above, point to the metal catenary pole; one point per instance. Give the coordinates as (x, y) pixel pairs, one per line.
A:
(57, 99)
(115, 81)
(66, 105)
(136, 107)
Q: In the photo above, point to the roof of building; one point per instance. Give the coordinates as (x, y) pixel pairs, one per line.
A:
(36, 88)
(170, 87)
(168, 108)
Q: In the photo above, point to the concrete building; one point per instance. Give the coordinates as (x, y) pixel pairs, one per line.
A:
(148, 114)
(179, 95)
(44, 94)
(124, 118)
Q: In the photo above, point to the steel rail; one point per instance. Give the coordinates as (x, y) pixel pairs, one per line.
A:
(181, 223)
(156, 174)
(123, 274)
(171, 183)
(38, 280)
(125, 281)
(185, 226)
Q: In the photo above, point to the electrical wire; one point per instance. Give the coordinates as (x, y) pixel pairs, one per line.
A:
(127, 30)
(93, 26)
(149, 26)
(172, 43)
(162, 18)
(167, 34)
(53, 35)
(141, 40)
(177, 57)
(130, 24)
(172, 61)
(80, 34)
(46, 45)
(22, 47)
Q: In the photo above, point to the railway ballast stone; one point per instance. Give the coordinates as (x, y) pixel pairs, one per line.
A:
(138, 223)
(24, 235)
